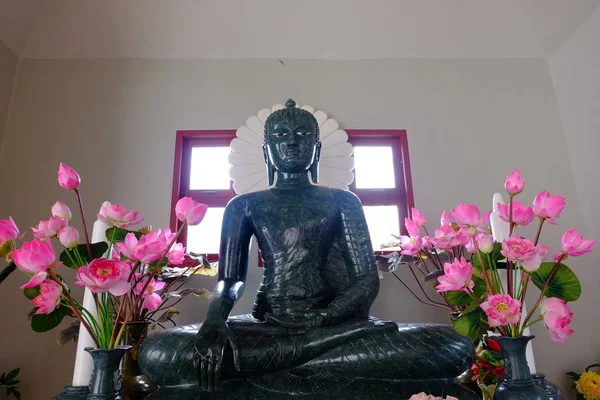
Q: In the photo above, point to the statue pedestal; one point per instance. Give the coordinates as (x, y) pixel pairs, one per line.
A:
(73, 393)
(360, 389)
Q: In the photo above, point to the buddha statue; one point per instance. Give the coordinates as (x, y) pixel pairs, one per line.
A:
(310, 333)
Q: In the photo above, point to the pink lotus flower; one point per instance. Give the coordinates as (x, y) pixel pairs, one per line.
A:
(187, 210)
(446, 219)
(424, 396)
(68, 178)
(522, 250)
(522, 215)
(445, 237)
(502, 309)
(49, 298)
(151, 300)
(411, 245)
(149, 248)
(49, 229)
(457, 276)
(574, 245)
(548, 207)
(176, 254)
(514, 183)
(412, 227)
(119, 216)
(35, 258)
(103, 275)
(485, 243)
(468, 217)
(418, 217)
(68, 237)
(8, 230)
(557, 317)
(61, 210)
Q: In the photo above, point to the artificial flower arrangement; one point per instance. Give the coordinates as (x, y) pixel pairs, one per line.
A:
(488, 366)
(131, 277)
(587, 384)
(468, 265)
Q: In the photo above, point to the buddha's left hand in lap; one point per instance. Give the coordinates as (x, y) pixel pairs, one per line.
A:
(309, 319)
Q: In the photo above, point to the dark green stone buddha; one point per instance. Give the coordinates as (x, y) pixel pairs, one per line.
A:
(310, 334)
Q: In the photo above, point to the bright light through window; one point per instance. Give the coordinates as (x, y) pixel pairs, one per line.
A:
(382, 222)
(374, 167)
(209, 168)
(205, 237)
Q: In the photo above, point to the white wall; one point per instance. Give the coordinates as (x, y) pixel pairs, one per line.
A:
(8, 71)
(575, 70)
(469, 123)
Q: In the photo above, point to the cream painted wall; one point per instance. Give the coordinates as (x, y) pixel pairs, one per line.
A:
(469, 123)
(8, 71)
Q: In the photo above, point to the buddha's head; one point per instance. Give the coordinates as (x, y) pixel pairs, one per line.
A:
(292, 142)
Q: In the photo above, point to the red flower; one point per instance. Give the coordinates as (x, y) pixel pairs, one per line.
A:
(492, 344)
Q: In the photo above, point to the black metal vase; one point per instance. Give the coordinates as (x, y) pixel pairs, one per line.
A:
(518, 383)
(106, 379)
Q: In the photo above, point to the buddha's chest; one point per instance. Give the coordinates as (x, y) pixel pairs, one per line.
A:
(294, 222)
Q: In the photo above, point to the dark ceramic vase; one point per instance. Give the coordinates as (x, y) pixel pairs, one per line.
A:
(136, 386)
(518, 383)
(106, 379)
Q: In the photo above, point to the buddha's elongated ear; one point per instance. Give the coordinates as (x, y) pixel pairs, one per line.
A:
(314, 168)
(270, 166)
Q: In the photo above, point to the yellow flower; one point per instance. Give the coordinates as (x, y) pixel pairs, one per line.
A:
(589, 385)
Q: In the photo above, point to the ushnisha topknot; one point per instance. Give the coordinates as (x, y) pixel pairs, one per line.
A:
(293, 114)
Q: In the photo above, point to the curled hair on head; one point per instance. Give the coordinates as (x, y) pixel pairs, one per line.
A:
(290, 113)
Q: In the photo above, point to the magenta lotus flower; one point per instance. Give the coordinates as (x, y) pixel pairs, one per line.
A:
(61, 210)
(104, 275)
(49, 298)
(151, 300)
(418, 217)
(557, 317)
(68, 237)
(187, 210)
(412, 227)
(49, 229)
(446, 219)
(514, 183)
(119, 216)
(502, 309)
(468, 217)
(548, 207)
(457, 276)
(35, 256)
(574, 245)
(445, 237)
(522, 215)
(68, 178)
(176, 254)
(522, 250)
(8, 230)
(410, 245)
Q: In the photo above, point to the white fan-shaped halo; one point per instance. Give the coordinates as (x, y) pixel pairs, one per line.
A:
(248, 171)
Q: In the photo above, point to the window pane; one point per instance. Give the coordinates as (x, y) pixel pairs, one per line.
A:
(374, 167)
(209, 168)
(205, 237)
(382, 222)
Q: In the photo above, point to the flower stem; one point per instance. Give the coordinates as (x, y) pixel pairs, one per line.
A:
(485, 274)
(74, 307)
(509, 271)
(417, 297)
(539, 232)
(539, 300)
(85, 230)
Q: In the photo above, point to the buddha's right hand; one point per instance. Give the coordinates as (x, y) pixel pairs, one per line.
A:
(210, 347)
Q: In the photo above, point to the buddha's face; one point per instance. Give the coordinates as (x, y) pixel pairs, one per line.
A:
(291, 143)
